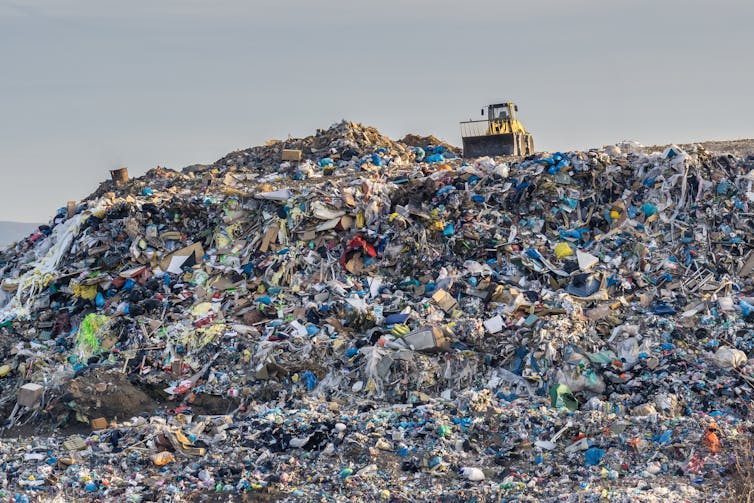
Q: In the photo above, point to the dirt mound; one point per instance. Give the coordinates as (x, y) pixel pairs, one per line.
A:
(106, 393)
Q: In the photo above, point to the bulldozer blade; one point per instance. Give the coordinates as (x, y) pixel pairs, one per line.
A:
(491, 145)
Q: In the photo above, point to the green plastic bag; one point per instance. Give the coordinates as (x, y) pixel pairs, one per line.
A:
(561, 397)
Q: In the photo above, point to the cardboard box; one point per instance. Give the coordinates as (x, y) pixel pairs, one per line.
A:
(444, 300)
(291, 155)
(99, 423)
(29, 394)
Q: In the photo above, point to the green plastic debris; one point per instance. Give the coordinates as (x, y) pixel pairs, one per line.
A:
(90, 333)
(603, 357)
(561, 397)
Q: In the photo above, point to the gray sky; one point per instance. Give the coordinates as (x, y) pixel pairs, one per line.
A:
(91, 85)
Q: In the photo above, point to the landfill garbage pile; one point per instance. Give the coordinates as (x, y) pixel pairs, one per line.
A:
(386, 322)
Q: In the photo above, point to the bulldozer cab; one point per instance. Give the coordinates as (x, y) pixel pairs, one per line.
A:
(500, 112)
(500, 134)
(502, 119)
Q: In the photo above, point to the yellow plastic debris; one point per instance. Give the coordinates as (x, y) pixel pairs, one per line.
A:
(4, 370)
(563, 250)
(86, 292)
(222, 240)
(201, 308)
(162, 458)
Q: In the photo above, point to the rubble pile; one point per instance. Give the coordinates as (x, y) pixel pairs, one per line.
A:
(344, 141)
(386, 321)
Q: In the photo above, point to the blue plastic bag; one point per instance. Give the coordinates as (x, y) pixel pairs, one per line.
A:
(593, 456)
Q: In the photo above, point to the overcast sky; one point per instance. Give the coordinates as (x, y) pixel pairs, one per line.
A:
(90, 85)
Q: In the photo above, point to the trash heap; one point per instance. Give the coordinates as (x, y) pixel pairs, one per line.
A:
(386, 321)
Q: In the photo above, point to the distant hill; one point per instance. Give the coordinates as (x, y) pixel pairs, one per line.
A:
(13, 231)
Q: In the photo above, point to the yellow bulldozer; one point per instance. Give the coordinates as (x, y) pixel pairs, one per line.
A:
(500, 134)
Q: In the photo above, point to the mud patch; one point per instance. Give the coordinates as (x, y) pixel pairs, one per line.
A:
(213, 405)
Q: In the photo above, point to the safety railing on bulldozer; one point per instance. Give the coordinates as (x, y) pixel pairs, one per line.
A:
(474, 128)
